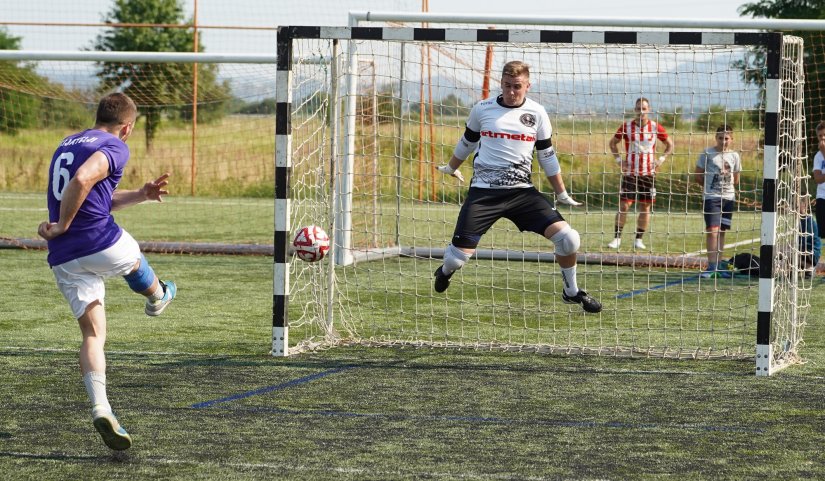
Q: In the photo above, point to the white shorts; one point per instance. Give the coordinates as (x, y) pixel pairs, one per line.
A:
(81, 280)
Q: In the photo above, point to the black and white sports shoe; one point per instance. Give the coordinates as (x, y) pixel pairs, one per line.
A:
(442, 281)
(587, 302)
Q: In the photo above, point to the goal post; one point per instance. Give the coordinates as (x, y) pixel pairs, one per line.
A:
(375, 288)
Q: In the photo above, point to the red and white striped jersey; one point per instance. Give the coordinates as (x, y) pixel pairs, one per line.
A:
(640, 146)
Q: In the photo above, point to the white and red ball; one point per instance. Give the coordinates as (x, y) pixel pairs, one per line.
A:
(311, 243)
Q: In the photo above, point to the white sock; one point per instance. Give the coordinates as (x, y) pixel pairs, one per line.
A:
(158, 294)
(96, 389)
(454, 259)
(568, 275)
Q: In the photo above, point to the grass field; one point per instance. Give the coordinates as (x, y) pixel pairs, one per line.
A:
(203, 399)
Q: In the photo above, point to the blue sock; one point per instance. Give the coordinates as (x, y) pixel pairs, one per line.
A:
(711, 266)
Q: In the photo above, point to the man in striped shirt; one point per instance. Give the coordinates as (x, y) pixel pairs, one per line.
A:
(638, 168)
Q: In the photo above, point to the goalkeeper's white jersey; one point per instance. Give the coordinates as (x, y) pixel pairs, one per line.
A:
(508, 135)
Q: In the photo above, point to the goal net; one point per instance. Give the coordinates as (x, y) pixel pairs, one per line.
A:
(361, 128)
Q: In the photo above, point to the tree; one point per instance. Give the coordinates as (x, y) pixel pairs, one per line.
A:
(814, 54)
(717, 115)
(672, 119)
(32, 100)
(158, 88)
(22, 108)
(8, 41)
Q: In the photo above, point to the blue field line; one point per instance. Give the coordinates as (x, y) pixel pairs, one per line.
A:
(277, 387)
(563, 423)
(654, 288)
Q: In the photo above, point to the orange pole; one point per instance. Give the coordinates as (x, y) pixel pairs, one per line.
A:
(488, 66)
(421, 113)
(434, 192)
(194, 102)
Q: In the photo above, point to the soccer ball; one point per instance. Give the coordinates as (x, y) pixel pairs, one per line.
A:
(311, 243)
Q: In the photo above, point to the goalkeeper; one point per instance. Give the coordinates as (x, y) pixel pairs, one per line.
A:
(501, 134)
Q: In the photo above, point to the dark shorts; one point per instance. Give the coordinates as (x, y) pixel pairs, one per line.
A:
(719, 213)
(528, 208)
(820, 216)
(637, 188)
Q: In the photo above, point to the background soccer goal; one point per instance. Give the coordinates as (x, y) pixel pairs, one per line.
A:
(359, 135)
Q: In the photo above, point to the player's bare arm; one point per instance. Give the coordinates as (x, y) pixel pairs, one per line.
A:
(152, 190)
(819, 176)
(668, 151)
(95, 169)
(614, 149)
(699, 176)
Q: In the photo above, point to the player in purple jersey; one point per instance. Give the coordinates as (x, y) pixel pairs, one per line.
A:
(501, 134)
(86, 246)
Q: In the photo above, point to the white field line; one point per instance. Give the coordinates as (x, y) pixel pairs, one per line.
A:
(727, 246)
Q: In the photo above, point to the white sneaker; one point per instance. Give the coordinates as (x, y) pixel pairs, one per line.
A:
(111, 431)
(639, 244)
(156, 307)
(615, 243)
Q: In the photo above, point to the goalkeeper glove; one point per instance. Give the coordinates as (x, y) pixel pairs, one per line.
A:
(564, 198)
(661, 161)
(446, 169)
(618, 159)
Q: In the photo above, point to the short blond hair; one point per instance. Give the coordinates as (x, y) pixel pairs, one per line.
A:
(514, 68)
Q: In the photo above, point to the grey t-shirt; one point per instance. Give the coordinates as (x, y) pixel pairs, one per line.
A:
(719, 168)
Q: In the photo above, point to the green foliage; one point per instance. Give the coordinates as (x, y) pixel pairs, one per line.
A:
(674, 120)
(155, 86)
(264, 107)
(8, 41)
(717, 115)
(66, 114)
(814, 45)
(449, 106)
(19, 110)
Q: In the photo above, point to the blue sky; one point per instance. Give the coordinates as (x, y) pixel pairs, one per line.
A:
(326, 12)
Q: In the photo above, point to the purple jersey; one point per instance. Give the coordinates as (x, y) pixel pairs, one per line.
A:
(93, 228)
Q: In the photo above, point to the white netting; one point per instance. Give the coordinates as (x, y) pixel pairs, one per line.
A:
(409, 109)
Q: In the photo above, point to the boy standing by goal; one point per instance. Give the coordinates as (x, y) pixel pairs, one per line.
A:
(717, 170)
(819, 178)
(86, 246)
(638, 169)
(501, 134)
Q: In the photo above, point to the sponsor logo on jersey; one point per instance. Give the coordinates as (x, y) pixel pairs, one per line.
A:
(528, 120)
(504, 135)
